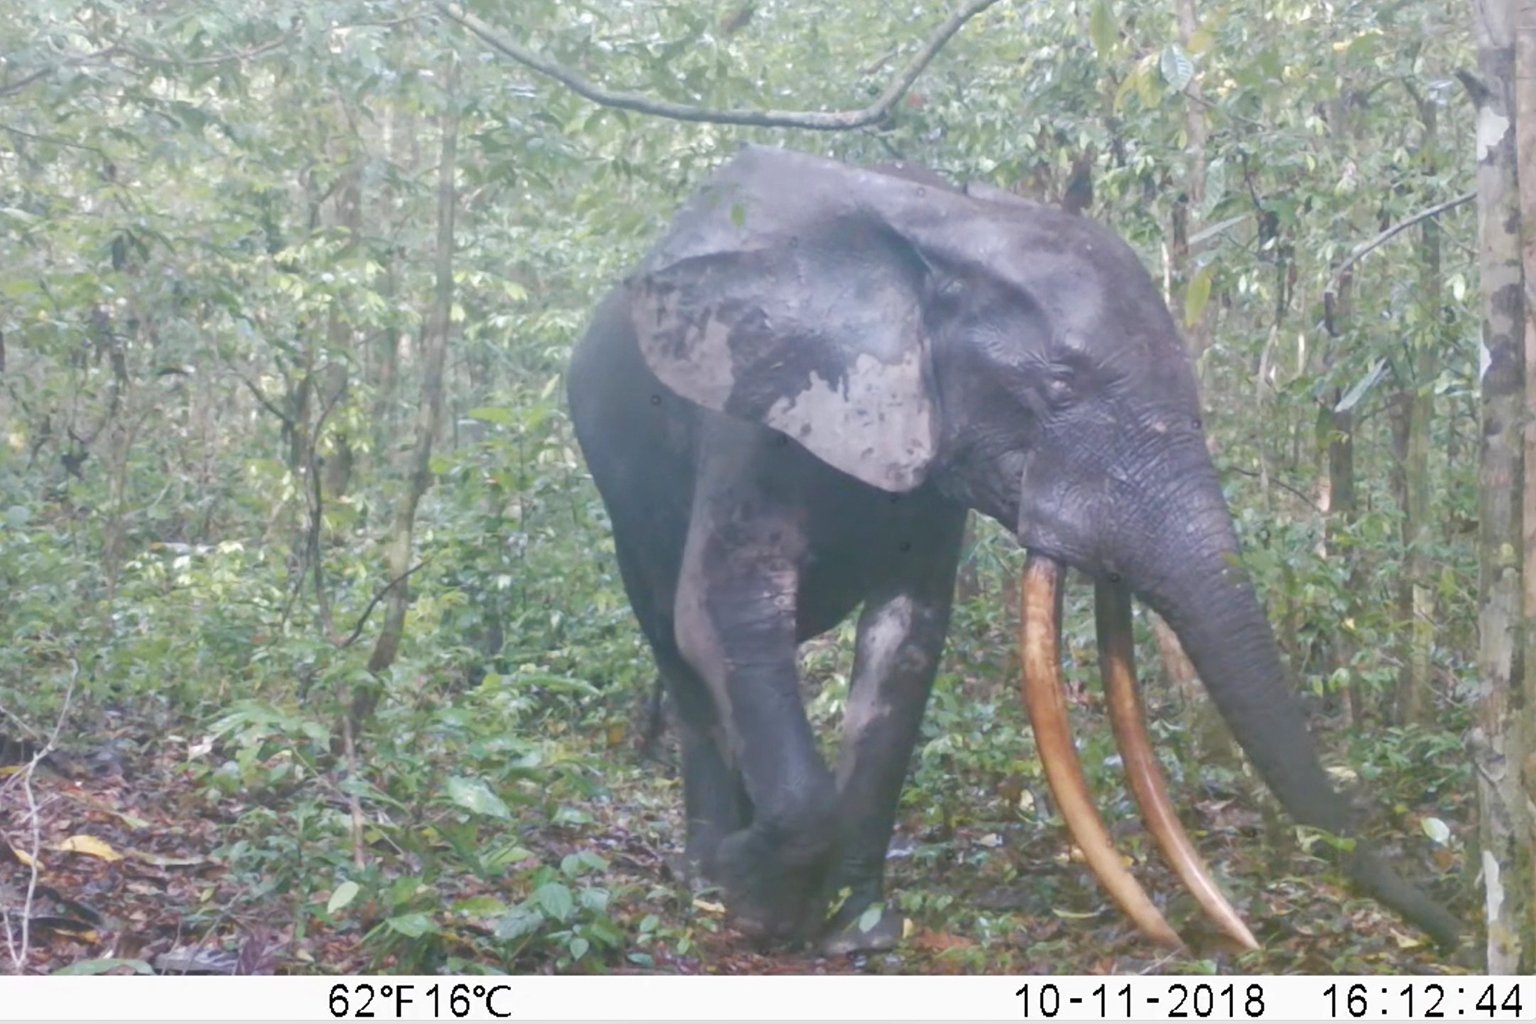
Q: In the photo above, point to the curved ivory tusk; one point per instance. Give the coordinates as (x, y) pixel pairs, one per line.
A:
(1040, 643)
(1117, 663)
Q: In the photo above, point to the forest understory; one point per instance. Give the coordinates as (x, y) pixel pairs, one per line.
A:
(136, 871)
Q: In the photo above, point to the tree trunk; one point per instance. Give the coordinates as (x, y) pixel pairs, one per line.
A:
(346, 216)
(1197, 329)
(399, 124)
(430, 406)
(1336, 447)
(1500, 743)
(1416, 593)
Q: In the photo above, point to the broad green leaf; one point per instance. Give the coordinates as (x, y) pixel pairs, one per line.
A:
(475, 795)
(1146, 89)
(1196, 296)
(1361, 49)
(1127, 86)
(345, 893)
(1458, 286)
(508, 855)
(871, 916)
(494, 414)
(1437, 830)
(480, 906)
(519, 922)
(1101, 26)
(1176, 66)
(565, 814)
(1215, 188)
(557, 684)
(412, 926)
(573, 864)
(1270, 63)
(555, 899)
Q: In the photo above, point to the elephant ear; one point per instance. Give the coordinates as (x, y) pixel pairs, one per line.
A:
(785, 295)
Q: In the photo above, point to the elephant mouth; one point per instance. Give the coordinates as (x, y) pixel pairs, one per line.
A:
(1045, 699)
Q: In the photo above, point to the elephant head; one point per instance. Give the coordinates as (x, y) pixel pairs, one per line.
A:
(1020, 360)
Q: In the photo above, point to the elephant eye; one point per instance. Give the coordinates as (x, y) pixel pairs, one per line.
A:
(1061, 387)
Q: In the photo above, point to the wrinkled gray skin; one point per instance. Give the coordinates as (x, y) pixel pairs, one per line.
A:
(788, 408)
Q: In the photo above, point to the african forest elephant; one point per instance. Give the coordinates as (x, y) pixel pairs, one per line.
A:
(789, 407)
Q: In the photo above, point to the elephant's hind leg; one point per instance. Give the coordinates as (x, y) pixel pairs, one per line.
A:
(714, 804)
(713, 800)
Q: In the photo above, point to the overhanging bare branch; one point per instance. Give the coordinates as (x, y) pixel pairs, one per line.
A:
(817, 120)
(8, 88)
(1387, 235)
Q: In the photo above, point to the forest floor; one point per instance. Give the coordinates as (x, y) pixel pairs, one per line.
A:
(130, 869)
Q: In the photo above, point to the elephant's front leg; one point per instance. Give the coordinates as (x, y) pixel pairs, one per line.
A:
(736, 626)
(900, 640)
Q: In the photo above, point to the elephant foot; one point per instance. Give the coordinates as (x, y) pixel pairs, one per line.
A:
(856, 930)
(692, 873)
(863, 922)
(698, 866)
(767, 897)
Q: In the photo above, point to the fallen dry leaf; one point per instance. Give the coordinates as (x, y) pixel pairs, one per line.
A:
(90, 846)
(162, 861)
(939, 942)
(65, 926)
(20, 856)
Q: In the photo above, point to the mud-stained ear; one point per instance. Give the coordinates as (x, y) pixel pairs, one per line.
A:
(788, 301)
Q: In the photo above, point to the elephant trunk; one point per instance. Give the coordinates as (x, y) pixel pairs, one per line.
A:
(1208, 601)
(1210, 604)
